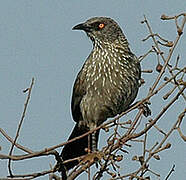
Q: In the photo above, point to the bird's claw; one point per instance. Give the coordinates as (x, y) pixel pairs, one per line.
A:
(92, 157)
(146, 109)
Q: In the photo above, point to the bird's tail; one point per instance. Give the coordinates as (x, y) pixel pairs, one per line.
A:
(77, 147)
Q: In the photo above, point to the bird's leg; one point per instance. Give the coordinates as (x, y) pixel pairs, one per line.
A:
(89, 139)
(94, 143)
(93, 137)
(94, 148)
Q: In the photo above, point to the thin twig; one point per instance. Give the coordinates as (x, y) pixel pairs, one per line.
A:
(19, 126)
(171, 171)
(166, 60)
(25, 149)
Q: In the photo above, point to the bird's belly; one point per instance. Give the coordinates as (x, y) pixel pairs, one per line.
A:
(105, 99)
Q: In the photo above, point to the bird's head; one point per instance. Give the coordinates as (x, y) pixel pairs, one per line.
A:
(102, 29)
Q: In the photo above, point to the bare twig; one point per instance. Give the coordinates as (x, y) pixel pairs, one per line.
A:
(171, 171)
(180, 118)
(166, 60)
(16, 144)
(19, 126)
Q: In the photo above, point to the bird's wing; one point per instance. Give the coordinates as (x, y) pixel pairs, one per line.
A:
(77, 95)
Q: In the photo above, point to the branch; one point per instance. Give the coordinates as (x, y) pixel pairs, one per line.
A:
(171, 171)
(180, 118)
(16, 144)
(19, 126)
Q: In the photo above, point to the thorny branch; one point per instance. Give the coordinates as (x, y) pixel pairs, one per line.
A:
(124, 132)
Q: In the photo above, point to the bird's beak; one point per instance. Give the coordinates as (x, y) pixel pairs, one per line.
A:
(82, 26)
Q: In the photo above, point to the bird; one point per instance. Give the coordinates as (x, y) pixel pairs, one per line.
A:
(106, 85)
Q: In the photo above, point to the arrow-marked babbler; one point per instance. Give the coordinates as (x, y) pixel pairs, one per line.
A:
(105, 86)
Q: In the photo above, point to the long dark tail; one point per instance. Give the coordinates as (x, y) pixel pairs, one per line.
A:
(77, 148)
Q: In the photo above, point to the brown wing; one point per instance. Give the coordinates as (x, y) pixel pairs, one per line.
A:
(77, 95)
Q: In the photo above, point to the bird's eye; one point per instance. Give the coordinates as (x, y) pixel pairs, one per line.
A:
(101, 26)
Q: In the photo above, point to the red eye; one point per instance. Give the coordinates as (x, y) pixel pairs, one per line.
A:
(101, 26)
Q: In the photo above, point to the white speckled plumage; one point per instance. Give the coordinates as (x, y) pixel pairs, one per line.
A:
(105, 86)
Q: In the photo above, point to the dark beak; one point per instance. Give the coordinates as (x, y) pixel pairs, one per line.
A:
(83, 27)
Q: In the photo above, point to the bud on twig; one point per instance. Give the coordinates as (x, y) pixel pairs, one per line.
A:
(159, 68)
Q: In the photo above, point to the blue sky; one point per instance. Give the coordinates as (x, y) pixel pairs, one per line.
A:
(36, 40)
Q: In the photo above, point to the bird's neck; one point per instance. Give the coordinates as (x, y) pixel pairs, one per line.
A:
(120, 44)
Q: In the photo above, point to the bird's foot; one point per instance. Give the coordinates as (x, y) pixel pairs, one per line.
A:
(146, 109)
(92, 157)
